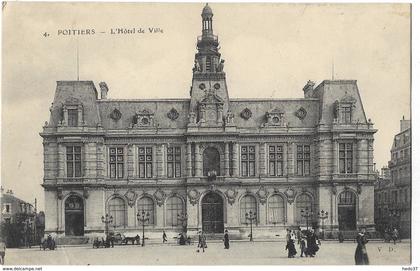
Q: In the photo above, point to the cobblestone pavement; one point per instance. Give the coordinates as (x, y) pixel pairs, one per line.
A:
(241, 253)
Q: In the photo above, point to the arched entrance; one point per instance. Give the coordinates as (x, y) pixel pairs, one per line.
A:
(347, 211)
(212, 213)
(211, 161)
(74, 216)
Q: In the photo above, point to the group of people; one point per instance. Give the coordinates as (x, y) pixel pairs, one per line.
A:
(202, 240)
(307, 241)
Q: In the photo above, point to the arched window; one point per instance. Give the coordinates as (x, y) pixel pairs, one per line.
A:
(118, 210)
(174, 206)
(303, 202)
(276, 209)
(248, 203)
(146, 204)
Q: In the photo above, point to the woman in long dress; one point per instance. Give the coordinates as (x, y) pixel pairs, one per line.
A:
(361, 256)
(226, 239)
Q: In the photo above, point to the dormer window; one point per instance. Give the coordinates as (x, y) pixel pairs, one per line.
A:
(72, 117)
(72, 113)
(343, 109)
(346, 115)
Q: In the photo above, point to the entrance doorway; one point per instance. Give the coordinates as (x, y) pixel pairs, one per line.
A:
(212, 213)
(347, 211)
(74, 217)
(211, 161)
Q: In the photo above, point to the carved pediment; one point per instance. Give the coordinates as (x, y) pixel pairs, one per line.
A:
(143, 118)
(275, 117)
(211, 98)
(72, 101)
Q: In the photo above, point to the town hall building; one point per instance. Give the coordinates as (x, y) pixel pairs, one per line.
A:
(209, 162)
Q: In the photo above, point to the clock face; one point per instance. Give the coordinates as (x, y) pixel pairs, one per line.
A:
(145, 121)
(276, 120)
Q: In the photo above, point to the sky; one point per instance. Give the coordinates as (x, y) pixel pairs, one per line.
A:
(270, 51)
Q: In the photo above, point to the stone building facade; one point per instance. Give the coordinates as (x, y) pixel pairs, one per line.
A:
(393, 189)
(210, 158)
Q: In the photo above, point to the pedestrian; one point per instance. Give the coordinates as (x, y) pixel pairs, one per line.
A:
(164, 237)
(312, 240)
(395, 235)
(298, 235)
(226, 239)
(302, 246)
(201, 241)
(290, 246)
(361, 256)
(2, 251)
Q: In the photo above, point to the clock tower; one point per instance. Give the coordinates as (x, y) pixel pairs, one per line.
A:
(209, 95)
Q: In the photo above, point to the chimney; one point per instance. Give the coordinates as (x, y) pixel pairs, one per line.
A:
(308, 89)
(404, 124)
(104, 90)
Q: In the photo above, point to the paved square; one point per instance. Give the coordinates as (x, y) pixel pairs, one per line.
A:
(241, 253)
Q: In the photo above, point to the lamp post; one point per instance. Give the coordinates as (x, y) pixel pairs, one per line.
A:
(251, 216)
(143, 217)
(183, 217)
(322, 215)
(107, 219)
(306, 213)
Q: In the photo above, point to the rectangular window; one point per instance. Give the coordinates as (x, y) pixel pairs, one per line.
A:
(275, 160)
(303, 160)
(116, 162)
(7, 208)
(73, 117)
(145, 162)
(347, 114)
(174, 162)
(74, 161)
(248, 161)
(346, 157)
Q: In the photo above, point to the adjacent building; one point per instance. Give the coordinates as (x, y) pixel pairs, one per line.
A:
(209, 161)
(393, 188)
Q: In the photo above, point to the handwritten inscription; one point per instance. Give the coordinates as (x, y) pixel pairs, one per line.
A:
(112, 31)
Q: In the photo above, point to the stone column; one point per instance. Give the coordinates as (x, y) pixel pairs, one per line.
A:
(263, 159)
(61, 160)
(198, 162)
(65, 116)
(159, 158)
(335, 156)
(227, 159)
(291, 158)
(130, 160)
(189, 168)
(235, 159)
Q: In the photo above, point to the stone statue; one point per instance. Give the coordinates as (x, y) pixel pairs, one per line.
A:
(197, 67)
(192, 118)
(229, 117)
(221, 65)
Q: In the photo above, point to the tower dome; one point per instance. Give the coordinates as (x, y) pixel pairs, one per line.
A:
(207, 12)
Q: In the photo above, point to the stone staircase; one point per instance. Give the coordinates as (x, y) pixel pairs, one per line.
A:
(72, 240)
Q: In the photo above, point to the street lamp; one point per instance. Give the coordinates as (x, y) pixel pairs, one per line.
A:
(143, 217)
(107, 220)
(251, 216)
(306, 213)
(322, 215)
(183, 217)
